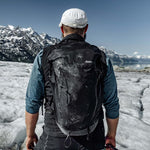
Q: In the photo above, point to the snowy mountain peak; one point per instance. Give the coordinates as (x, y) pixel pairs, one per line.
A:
(120, 60)
(11, 27)
(29, 29)
(142, 56)
(139, 56)
(43, 35)
(2, 26)
(22, 44)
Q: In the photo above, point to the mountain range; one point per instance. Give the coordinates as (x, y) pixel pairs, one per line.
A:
(121, 60)
(23, 44)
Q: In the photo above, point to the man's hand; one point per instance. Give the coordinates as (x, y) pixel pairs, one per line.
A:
(110, 141)
(30, 142)
(31, 120)
(112, 128)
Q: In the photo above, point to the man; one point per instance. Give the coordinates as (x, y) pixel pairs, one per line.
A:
(74, 25)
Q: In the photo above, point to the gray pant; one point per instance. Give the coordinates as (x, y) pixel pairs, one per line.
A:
(47, 142)
(96, 141)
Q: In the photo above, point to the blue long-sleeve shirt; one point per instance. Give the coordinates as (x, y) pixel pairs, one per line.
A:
(35, 90)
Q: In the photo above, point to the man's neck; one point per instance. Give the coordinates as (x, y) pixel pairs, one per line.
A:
(66, 34)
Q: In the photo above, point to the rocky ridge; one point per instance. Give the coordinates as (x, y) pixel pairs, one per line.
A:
(22, 44)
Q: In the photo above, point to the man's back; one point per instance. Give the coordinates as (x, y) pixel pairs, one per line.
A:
(78, 69)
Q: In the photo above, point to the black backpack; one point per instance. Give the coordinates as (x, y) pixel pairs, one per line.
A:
(76, 75)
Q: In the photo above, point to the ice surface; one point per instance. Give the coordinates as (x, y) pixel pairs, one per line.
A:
(134, 124)
(134, 94)
(13, 82)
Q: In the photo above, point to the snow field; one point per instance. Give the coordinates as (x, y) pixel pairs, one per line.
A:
(134, 94)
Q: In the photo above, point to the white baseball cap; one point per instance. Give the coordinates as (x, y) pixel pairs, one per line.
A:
(74, 17)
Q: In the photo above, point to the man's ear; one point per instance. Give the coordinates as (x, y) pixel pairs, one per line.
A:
(62, 30)
(86, 28)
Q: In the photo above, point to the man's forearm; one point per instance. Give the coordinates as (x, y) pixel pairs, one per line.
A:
(31, 120)
(112, 126)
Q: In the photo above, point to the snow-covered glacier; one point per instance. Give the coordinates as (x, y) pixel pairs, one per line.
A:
(134, 93)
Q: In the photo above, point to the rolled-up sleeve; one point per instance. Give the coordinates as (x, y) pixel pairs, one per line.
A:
(111, 101)
(35, 89)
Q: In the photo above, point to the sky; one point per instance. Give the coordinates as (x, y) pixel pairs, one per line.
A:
(120, 25)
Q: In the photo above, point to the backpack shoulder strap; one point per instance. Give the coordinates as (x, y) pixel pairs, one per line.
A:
(102, 62)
